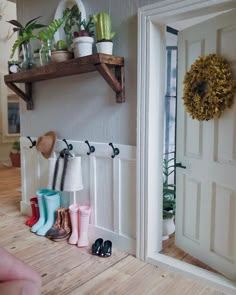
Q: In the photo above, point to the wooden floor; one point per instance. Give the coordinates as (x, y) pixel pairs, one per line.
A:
(68, 270)
(171, 250)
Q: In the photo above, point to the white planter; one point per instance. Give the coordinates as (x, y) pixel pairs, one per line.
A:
(105, 47)
(168, 228)
(83, 46)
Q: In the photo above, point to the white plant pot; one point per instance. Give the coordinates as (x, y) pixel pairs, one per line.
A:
(168, 228)
(105, 47)
(83, 46)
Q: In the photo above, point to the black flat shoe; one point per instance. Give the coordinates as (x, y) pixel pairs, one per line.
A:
(106, 250)
(97, 246)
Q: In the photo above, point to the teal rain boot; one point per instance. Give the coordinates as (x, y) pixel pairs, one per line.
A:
(42, 210)
(52, 200)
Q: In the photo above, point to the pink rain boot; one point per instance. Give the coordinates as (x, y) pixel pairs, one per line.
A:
(84, 215)
(74, 217)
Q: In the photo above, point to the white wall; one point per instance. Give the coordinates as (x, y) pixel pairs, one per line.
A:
(83, 107)
(5, 50)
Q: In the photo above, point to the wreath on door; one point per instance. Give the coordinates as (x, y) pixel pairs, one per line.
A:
(208, 88)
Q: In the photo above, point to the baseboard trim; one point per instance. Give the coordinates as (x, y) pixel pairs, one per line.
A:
(120, 242)
(25, 208)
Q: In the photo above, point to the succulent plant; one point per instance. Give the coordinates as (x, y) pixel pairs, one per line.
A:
(85, 28)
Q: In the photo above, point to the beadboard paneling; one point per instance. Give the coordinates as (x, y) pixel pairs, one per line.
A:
(109, 187)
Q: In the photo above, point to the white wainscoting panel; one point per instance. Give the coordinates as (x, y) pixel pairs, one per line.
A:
(109, 188)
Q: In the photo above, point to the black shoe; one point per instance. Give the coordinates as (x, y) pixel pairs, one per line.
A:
(106, 250)
(97, 246)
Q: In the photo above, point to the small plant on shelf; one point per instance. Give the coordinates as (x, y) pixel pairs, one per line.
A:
(104, 35)
(70, 24)
(85, 28)
(61, 53)
(23, 41)
(46, 37)
(83, 37)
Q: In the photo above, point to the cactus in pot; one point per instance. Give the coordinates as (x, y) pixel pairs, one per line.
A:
(103, 33)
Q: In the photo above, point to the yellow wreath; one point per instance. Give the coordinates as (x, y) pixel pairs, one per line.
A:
(208, 88)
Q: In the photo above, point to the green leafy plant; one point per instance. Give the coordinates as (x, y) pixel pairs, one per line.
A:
(85, 28)
(61, 45)
(25, 32)
(168, 189)
(71, 21)
(16, 146)
(49, 32)
(103, 27)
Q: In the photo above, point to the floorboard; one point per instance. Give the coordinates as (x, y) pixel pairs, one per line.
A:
(66, 269)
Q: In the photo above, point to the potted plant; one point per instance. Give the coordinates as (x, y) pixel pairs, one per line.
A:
(15, 154)
(46, 37)
(83, 37)
(70, 24)
(103, 33)
(168, 199)
(23, 41)
(61, 53)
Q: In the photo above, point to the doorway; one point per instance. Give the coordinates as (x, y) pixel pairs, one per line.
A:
(152, 25)
(169, 247)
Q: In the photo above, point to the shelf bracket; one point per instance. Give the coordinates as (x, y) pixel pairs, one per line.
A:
(116, 82)
(26, 96)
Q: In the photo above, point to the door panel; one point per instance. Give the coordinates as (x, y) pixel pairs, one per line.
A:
(206, 190)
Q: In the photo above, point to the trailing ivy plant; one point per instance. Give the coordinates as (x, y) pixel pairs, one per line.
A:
(72, 20)
(25, 32)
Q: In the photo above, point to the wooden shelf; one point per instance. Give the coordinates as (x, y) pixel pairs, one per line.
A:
(102, 63)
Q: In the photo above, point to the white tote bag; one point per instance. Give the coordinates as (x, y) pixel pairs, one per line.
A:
(73, 180)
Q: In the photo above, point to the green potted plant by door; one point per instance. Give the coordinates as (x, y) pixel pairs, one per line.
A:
(168, 226)
(23, 41)
(15, 154)
(104, 35)
(83, 37)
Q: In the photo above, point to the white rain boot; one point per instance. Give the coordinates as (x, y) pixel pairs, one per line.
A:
(84, 215)
(74, 218)
(52, 200)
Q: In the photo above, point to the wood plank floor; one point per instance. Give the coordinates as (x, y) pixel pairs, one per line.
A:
(171, 250)
(68, 270)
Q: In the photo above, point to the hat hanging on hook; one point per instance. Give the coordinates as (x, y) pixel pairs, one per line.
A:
(45, 144)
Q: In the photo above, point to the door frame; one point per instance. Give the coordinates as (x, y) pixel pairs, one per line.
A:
(152, 21)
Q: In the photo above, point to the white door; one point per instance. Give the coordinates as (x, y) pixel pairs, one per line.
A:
(206, 189)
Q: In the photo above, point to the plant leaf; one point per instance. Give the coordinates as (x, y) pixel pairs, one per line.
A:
(16, 29)
(32, 20)
(15, 23)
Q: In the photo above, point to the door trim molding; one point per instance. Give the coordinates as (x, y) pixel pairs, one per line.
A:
(152, 21)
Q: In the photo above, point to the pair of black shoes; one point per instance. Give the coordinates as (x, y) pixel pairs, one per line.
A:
(102, 249)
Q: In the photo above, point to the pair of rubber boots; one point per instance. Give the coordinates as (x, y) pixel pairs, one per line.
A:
(62, 227)
(79, 216)
(48, 202)
(35, 212)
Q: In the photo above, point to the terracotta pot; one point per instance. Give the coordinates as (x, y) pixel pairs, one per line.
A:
(15, 159)
(61, 55)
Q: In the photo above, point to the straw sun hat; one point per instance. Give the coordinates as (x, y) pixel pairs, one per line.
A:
(45, 143)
